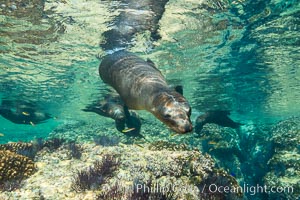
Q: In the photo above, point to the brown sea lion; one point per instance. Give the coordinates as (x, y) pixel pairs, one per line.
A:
(219, 117)
(142, 87)
(127, 122)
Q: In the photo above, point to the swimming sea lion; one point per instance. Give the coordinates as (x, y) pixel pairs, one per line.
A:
(113, 107)
(142, 87)
(136, 17)
(219, 117)
(22, 112)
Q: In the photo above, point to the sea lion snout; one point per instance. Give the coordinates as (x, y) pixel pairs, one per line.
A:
(117, 113)
(183, 126)
(178, 123)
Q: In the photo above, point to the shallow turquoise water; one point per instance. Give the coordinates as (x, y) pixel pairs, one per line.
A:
(241, 56)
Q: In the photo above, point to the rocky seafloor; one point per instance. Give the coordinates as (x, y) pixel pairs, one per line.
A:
(162, 167)
(136, 169)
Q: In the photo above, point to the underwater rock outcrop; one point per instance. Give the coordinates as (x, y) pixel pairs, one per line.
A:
(14, 166)
(219, 141)
(143, 173)
(284, 173)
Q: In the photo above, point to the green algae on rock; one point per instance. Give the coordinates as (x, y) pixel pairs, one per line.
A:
(285, 164)
(286, 134)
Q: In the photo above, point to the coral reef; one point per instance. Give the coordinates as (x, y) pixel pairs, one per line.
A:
(14, 166)
(178, 172)
(220, 179)
(284, 166)
(123, 172)
(22, 148)
(105, 140)
(94, 176)
(160, 145)
(53, 143)
(75, 150)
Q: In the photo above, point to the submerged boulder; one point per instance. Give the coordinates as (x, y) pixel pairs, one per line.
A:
(284, 174)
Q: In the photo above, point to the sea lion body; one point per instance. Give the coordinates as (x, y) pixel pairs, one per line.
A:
(22, 112)
(113, 107)
(110, 106)
(142, 87)
(220, 117)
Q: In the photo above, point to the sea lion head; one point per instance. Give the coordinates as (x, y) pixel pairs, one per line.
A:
(173, 110)
(116, 112)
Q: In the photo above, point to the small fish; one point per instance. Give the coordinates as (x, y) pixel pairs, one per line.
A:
(25, 113)
(212, 142)
(1, 134)
(32, 123)
(128, 130)
(174, 134)
(139, 145)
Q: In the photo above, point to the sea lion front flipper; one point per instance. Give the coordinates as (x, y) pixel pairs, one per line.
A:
(151, 63)
(133, 123)
(179, 89)
(120, 125)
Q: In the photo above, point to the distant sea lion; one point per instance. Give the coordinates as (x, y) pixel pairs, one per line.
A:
(20, 112)
(113, 107)
(142, 87)
(219, 117)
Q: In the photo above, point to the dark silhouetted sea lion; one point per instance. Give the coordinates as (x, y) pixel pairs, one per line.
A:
(142, 87)
(127, 122)
(219, 117)
(20, 112)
